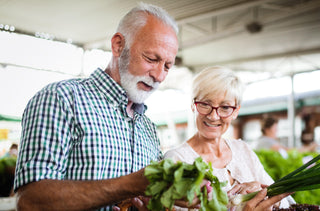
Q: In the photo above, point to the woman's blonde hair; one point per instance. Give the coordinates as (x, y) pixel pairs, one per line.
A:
(216, 80)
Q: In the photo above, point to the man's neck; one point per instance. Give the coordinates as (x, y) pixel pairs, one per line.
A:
(113, 72)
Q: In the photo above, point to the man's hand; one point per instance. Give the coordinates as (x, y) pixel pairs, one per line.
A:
(140, 202)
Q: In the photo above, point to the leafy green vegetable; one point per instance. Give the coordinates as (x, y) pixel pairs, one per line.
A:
(170, 181)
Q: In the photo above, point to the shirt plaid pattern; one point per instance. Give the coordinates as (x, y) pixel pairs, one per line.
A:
(79, 130)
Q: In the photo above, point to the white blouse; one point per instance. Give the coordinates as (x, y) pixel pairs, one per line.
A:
(244, 166)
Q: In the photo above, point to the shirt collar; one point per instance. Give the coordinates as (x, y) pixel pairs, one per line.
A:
(113, 91)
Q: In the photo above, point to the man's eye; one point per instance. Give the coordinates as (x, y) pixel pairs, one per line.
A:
(150, 59)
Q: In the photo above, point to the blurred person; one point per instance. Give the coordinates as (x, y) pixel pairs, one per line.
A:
(13, 151)
(216, 101)
(308, 143)
(85, 142)
(269, 140)
(7, 171)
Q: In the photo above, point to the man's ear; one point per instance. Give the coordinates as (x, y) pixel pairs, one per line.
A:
(117, 44)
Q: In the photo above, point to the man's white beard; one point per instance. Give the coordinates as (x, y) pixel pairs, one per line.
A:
(130, 82)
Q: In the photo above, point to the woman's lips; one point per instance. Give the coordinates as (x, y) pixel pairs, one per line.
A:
(212, 125)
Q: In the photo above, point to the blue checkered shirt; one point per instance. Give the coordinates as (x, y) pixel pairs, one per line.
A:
(79, 129)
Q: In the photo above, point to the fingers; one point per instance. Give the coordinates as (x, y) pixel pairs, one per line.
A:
(271, 201)
(183, 203)
(236, 189)
(140, 203)
(115, 208)
(251, 187)
(260, 203)
(245, 188)
(251, 204)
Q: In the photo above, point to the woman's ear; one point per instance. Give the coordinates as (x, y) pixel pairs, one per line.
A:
(236, 113)
(192, 107)
(117, 44)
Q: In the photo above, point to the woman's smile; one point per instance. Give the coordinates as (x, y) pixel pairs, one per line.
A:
(215, 125)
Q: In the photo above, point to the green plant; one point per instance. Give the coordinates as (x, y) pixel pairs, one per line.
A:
(7, 166)
(277, 167)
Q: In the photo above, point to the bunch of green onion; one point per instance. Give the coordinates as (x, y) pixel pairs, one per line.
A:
(307, 177)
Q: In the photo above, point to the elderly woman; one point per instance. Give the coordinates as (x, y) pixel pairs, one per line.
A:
(216, 96)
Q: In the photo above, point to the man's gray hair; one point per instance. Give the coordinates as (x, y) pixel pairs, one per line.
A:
(137, 18)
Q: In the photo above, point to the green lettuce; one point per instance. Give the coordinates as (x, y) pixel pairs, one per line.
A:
(171, 181)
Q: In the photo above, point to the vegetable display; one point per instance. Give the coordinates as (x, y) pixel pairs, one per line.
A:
(7, 167)
(306, 177)
(278, 167)
(171, 181)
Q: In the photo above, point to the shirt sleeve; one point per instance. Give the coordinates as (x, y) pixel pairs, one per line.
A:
(45, 139)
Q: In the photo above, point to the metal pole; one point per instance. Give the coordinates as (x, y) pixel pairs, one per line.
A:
(291, 116)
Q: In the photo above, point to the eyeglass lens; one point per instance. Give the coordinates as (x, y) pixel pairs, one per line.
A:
(222, 111)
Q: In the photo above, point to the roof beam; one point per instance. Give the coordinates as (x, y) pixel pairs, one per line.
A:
(238, 29)
(222, 11)
(271, 56)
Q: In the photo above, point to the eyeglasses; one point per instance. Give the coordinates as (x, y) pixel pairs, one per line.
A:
(205, 109)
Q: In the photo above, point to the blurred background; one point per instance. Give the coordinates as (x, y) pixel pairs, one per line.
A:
(273, 45)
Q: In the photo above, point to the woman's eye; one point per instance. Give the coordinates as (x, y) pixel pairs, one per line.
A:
(225, 107)
(204, 105)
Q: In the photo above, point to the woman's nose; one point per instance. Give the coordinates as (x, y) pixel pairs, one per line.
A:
(213, 114)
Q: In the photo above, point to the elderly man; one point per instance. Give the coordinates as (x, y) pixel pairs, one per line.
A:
(85, 142)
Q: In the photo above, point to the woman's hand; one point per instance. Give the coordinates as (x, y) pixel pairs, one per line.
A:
(196, 201)
(195, 204)
(141, 202)
(261, 203)
(244, 188)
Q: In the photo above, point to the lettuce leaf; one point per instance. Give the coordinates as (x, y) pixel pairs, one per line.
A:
(170, 181)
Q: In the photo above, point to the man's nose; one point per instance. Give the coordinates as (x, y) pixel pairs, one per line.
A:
(158, 73)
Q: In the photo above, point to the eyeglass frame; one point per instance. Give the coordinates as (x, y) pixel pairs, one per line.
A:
(213, 108)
